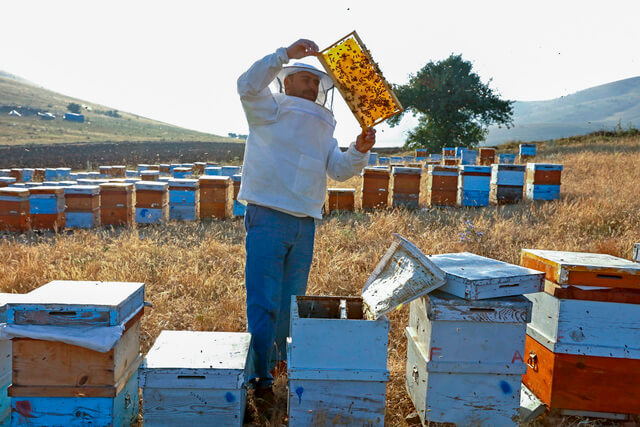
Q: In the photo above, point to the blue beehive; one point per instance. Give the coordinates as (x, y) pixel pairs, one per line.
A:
(468, 157)
(152, 202)
(83, 206)
(50, 174)
(142, 167)
(527, 149)
(373, 159)
(49, 201)
(5, 172)
(131, 174)
(6, 181)
(384, 160)
(474, 185)
(201, 374)
(408, 159)
(239, 209)
(421, 154)
(396, 159)
(212, 170)
(229, 170)
(506, 159)
(27, 174)
(507, 183)
(184, 199)
(543, 181)
(182, 172)
(64, 174)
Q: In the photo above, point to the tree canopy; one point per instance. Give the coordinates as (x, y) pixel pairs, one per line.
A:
(453, 106)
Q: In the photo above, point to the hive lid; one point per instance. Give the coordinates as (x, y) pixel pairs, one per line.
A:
(403, 274)
(14, 192)
(118, 186)
(183, 183)
(83, 189)
(583, 269)
(406, 170)
(341, 190)
(46, 190)
(151, 185)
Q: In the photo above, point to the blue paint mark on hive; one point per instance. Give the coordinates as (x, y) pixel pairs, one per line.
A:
(230, 397)
(505, 387)
(299, 392)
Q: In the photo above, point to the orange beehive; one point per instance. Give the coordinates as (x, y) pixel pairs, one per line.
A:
(375, 188)
(198, 168)
(406, 187)
(38, 175)
(14, 209)
(119, 171)
(449, 161)
(153, 167)
(150, 175)
(47, 205)
(116, 203)
(442, 185)
(487, 156)
(16, 173)
(340, 199)
(216, 196)
(543, 174)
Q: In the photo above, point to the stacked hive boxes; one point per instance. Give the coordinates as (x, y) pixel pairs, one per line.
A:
(465, 353)
(105, 171)
(583, 344)
(507, 183)
(195, 378)
(329, 377)
(406, 187)
(152, 202)
(14, 209)
(340, 199)
(442, 185)
(46, 205)
(184, 200)
(238, 208)
(118, 171)
(474, 185)
(507, 159)
(375, 188)
(116, 203)
(526, 152)
(408, 159)
(82, 206)
(216, 197)
(487, 156)
(54, 383)
(543, 181)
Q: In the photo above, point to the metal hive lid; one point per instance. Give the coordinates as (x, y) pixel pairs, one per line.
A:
(403, 274)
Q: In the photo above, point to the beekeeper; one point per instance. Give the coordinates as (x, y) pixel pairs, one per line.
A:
(289, 152)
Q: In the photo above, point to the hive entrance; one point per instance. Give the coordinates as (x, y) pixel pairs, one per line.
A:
(319, 307)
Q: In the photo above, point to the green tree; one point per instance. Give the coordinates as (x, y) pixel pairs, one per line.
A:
(74, 108)
(453, 106)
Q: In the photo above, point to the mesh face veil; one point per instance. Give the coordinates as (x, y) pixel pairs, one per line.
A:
(325, 89)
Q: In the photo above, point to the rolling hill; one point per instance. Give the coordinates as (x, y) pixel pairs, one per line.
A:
(589, 110)
(102, 124)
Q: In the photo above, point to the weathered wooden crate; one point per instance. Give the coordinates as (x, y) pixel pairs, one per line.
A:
(327, 383)
(470, 395)
(114, 406)
(580, 382)
(375, 188)
(195, 378)
(583, 269)
(406, 187)
(487, 155)
(216, 196)
(476, 277)
(340, 199)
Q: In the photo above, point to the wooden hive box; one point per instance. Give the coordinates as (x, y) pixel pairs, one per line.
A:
(198, 168)
(82, 206)
(375, 188)
(239, 209)
(228, 170)
(507, 159)
(340, 199)
(119, 171)
(184, 199)
(16, 173)
(164, 168)
(38, 174)
(406, 187)
(152, 202)
(384, 161)
(421, 154)
(105, 171)
(544, 174)
(148, 175)
(474, 185)
(181, 172)
(47, 205)
(487, 156)
(442, 185)
(467, 157)
(583, 269)
(216, 197)
(507, 183)
(212, 170)
(528, 150)
(14, 209)
(195, 378)
(153, 167)
(27, 174)
(448, 151)
(116, 203)
(325, 381)
(476, 277)
(463, 354)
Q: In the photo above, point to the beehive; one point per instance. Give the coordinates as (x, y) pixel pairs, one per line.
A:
(474, 185)
(195, 378)
(421, 154)
(153, 167)
(543, 181)
(14, 209)
(526, 152)
(152, 202)
(149, 175)
(406, 187)
(182, 173)
(384, 161)
(433, 158)
(465, 358)
(340, 199)
(442, 185)
(507, 159)
(467, 157)
(6, 181)
(164, 168)
(375, 188)
(229, 170)
(184, 200)
(373, 159)
(119, 171)
(4, 173)
(116, 203)
(475, 277)
(198, 168)
(27, 174)
(212, 170)
(216, 197)
(331, 378)
(507, 183)
(82, 206)
(16, 173)
(46, 206)
(487, 156)
(360, 81)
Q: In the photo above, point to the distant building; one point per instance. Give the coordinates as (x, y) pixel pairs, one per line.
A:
(73, 117)
(14, 113)
(46, 116)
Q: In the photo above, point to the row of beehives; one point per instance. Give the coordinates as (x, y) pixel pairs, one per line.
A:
(118, 203)
(451, 186)
(468, 346)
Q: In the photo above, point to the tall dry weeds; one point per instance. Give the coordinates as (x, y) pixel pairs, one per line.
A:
(194, 273)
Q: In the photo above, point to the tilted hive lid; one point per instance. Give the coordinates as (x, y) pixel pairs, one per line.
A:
(403, 274)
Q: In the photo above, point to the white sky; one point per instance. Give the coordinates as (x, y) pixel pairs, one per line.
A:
(178, 61)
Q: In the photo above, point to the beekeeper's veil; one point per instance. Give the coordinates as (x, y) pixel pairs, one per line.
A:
(325, 89)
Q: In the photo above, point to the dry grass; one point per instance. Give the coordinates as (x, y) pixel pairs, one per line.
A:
(194, 272)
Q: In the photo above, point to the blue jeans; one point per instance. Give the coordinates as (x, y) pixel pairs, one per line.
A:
(279, 252)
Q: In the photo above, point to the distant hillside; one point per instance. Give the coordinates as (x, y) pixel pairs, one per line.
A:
(589, 110)
(102, 124)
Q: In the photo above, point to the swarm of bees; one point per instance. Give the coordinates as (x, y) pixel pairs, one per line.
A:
(360, 81)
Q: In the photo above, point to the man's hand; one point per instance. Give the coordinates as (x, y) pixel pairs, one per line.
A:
(302, 48)
(366, 140)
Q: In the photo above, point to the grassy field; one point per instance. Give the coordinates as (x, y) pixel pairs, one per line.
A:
(194, 272)
(98, 126)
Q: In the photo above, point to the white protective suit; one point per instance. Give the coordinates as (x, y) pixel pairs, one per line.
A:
(290, 148)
